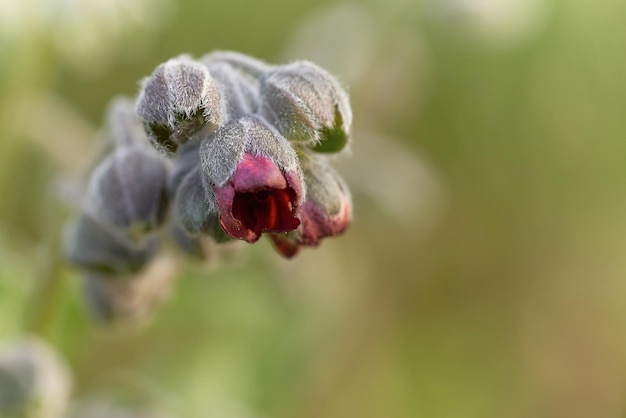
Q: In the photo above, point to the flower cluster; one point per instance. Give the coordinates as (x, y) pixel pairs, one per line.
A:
(248, 141)
(245, 149)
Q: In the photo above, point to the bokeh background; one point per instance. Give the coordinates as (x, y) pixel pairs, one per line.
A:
(484, 273)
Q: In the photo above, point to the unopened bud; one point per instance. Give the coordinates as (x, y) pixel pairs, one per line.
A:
(187, 159)
(238, 78)
(245, 64)
(308, 105)
(195, 209)
(177, 101)
(98, 248)
(128, 190)
(239, 90)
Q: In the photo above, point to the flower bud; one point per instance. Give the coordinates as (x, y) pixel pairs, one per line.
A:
(128, 190)
(187, 159)
(245, 64)
(238, 78)
(98, 248)
(239, 90)
(326, 211)
(255, 177)
(180, 99)
(34, 382)
(307, 104)
(195, 209)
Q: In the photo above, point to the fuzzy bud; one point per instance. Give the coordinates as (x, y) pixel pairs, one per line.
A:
(238, 78)
(180, 99)
(239, 90)
(98, 248)
(306, 104)
(195, 209)
(128, 190)
(244, 64)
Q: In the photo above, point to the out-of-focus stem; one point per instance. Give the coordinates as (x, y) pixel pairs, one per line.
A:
(49, 277)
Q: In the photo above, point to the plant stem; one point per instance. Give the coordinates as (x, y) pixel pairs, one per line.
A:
(49, 278)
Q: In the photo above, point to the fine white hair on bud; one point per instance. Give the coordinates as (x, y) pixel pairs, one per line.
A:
(238, 89)
(177, 101)
(325, 187)
(240, 62)
(307, 104)
(194, 209)
(249, 134)
(128, 190)
(247, 145)
(237, 76)
(97, 248)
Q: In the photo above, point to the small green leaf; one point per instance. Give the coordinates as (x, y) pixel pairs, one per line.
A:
(332, 139)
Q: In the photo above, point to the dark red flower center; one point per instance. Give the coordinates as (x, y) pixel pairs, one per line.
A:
(266, 210)
(258, 198)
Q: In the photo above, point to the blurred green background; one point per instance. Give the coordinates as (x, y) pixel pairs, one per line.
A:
(484, 273)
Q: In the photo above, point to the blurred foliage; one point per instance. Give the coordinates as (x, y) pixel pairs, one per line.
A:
(483, 275)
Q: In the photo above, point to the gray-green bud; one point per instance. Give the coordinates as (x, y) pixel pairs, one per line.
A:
(243, 63)
(239, 90)
(195, 209)
(98, 248)
(128, 190)
(307, 104)
(179, 100)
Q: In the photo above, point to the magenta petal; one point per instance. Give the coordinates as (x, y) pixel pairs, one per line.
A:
(257, 172)
(224, 197)
(316, 224)
(257, 199)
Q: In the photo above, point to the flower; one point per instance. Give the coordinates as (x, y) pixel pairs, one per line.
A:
(254, 176)
(259, 198)
(248, 145)
(326, 211)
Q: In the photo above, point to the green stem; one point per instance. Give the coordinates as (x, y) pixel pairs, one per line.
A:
(50, 279)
